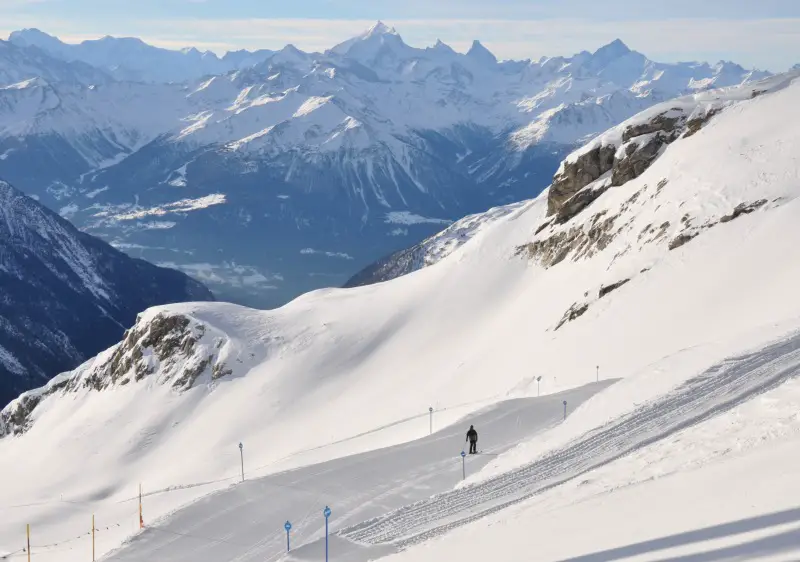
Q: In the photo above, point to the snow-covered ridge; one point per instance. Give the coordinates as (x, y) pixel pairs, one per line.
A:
(618, 192)
(129, 58)
(432, 249)
(176, 349)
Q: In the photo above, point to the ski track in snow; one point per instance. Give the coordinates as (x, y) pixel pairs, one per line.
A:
(240, 523)
(715, 391)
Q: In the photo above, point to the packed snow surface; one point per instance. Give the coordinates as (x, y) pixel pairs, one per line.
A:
(703, 337)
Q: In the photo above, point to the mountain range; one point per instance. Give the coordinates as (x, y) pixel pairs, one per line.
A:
(66, 295)
(633, 329)
(268, 174)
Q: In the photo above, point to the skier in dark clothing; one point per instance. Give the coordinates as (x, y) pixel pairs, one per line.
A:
(472, 437)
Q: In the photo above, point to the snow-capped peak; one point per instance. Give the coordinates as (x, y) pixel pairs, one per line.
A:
(481, 54)
(380, 28)
(368, 45)
(33, 37)
(617, 48)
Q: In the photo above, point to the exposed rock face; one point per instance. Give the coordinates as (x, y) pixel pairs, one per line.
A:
(579, 202)
(579, 309)
(743, 209)
(638, 158)
(641, 145)
(681, 239)
(176, 348)
(575, 311)
(577, 175)
(613, 287)
(577, 241)
(660, 123)
(697, 123)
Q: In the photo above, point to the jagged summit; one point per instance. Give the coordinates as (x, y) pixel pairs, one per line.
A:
(481, 53)
(380, 28)
(441, 47)
(369, 43)
(617, 48)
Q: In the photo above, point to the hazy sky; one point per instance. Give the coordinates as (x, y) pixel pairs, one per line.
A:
(761, 33)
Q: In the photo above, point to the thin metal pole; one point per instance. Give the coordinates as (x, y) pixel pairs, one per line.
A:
(326, 539)
(431, 417)
(288, 545)
(29, 542)
(92, 537)
(598, 373)
(241, 452)
(463, 468)
(141, 518)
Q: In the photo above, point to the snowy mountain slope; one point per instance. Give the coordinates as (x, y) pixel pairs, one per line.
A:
(742, 504)
(612, 159)
(66, 295)
(356, 479)
(317, 150)
(19, 64)
(192, 381)
(131, 59)
(431, 250)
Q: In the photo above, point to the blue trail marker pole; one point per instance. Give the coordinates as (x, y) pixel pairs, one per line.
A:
(538, 380)
(463, 465)
(327, 513)
(241, 452)
(565, 409)
(598, 373)
(288, 527)
(431, 413)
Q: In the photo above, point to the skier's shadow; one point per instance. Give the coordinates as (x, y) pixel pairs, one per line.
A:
(773, 544)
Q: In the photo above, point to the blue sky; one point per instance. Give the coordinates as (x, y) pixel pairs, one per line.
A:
(761, 33)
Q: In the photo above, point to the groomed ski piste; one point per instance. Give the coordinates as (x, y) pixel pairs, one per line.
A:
(686, 448)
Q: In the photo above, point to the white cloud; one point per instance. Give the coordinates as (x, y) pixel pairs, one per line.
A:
(313, 252)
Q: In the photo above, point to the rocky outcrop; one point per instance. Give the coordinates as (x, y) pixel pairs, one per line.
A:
(578, 174)
(682, 239)
(743, 209)
(694, 125)
(574, 312)
(659, 124)
(170, 345)
(638, 157)
(577, 241)
(579, 202)
(626, 159)
(173, 347)
(606, 289)
(692, 232)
